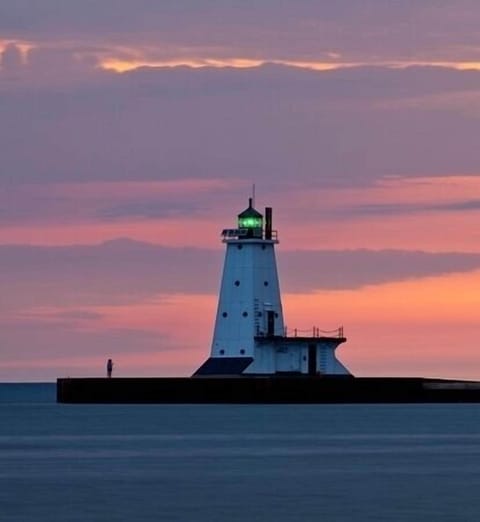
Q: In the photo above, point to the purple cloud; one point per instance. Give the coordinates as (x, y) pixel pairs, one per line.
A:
(269, 124)
(271, 29)
(124, 271)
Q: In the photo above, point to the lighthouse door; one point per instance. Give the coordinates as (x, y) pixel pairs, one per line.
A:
(312, 359)
(270, 323)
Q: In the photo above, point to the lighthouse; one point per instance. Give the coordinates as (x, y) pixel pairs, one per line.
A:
(250, 337)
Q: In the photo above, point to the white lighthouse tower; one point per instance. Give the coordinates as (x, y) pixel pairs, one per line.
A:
(249, 335)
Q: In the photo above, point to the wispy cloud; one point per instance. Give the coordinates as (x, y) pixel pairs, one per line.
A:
(26, 59)
(406, 208)
(125, 272)
(359, 32)
(89, 201)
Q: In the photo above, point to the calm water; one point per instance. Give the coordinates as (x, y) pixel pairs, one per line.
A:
(232, 463)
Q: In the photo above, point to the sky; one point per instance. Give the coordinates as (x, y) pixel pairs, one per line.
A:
(131, 134)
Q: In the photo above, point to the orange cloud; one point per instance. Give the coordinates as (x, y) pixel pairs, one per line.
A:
(166, 315)
(121, 65)
(122, 58)
(22, 45)
(183, 324)
(432, 300)
(421, 327)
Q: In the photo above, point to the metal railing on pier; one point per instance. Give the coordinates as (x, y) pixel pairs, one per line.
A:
(314, 332)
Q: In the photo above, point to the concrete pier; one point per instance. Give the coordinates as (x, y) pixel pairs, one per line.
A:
(265, 389)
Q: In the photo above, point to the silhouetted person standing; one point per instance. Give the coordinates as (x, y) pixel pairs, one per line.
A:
(109, 368)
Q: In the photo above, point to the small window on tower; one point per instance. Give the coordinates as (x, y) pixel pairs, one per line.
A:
(222, 352)
(239, 247)
(224, 314)
(237, 283)
(265, 283)
(245, 314)
(242, 351)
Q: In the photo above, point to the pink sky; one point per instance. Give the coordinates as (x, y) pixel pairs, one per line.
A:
(127, 143)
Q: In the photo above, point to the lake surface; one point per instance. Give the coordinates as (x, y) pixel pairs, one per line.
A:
(63, 462)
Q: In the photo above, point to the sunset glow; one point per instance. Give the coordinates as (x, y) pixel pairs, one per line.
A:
(131, 141)
(121, 66)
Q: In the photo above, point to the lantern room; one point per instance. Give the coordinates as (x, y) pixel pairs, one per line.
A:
(250, 222)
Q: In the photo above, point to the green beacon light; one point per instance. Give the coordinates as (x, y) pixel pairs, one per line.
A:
(250, 221)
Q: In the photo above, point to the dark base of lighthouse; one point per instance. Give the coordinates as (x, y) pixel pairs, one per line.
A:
(266, 390)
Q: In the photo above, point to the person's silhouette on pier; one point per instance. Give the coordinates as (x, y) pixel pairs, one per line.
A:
(109, 368)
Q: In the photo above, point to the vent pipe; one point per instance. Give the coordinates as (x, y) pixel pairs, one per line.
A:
(268, 223)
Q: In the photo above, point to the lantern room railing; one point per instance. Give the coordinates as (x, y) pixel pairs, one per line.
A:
(242, 233)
